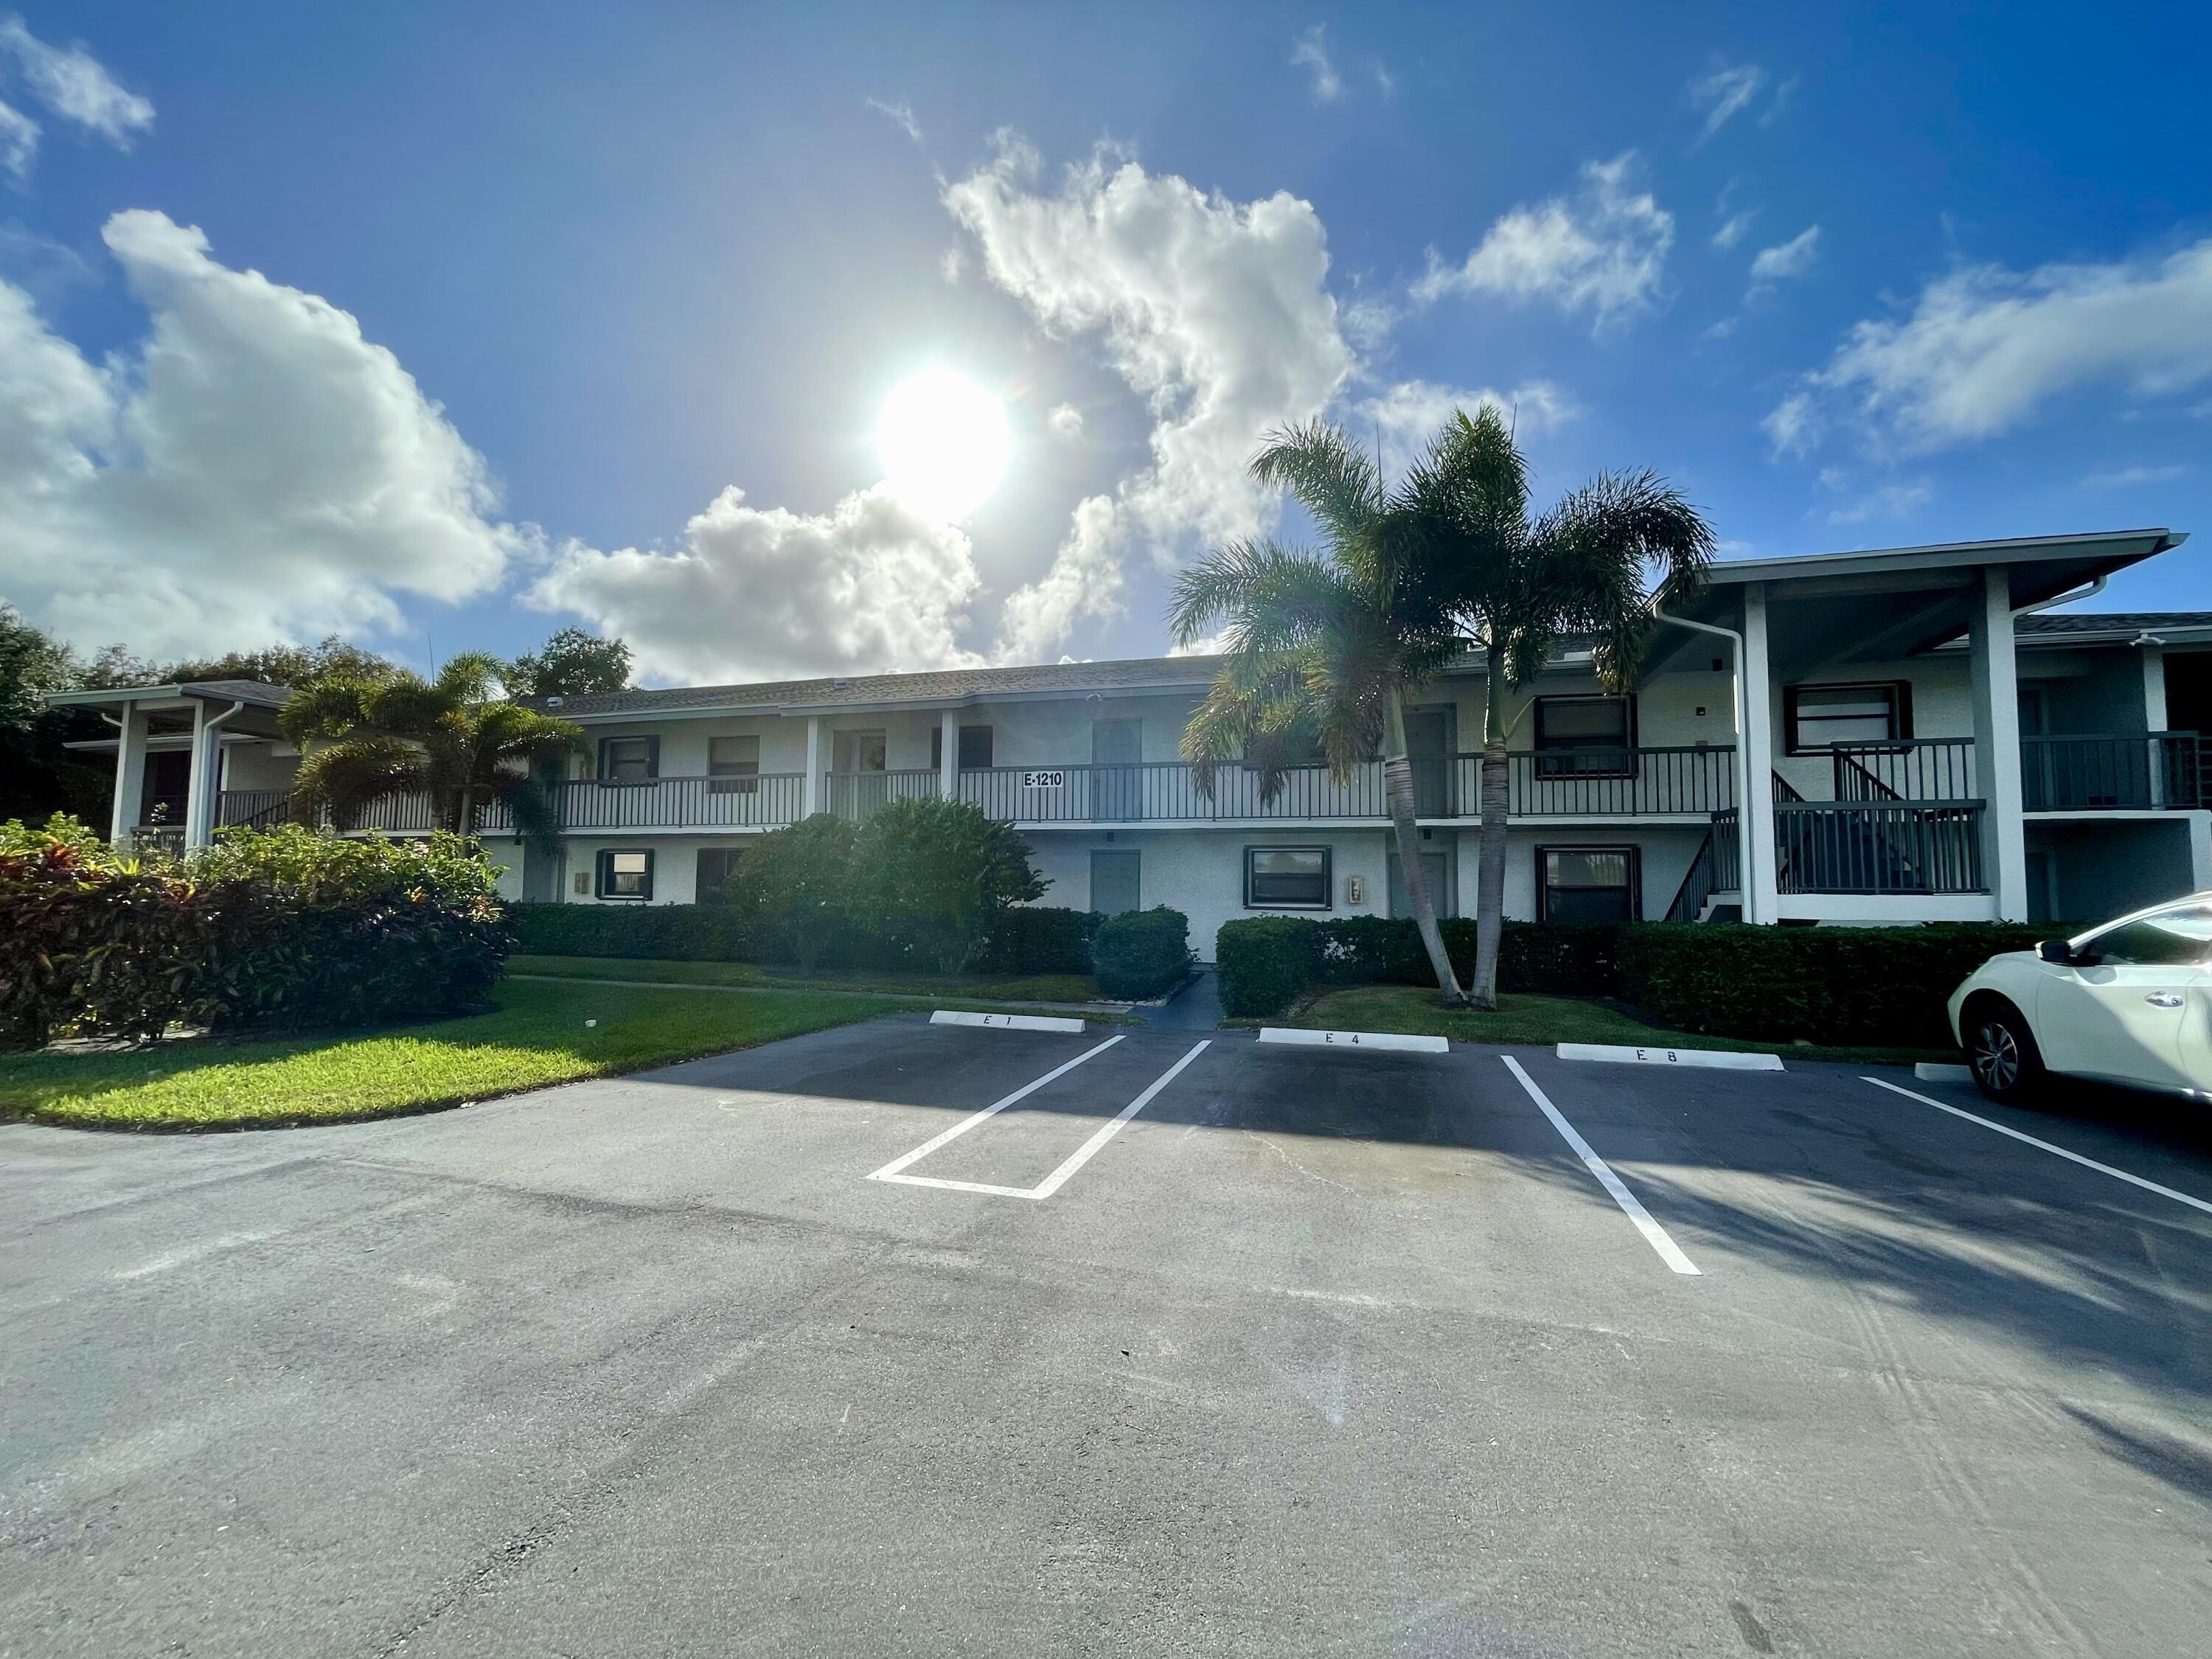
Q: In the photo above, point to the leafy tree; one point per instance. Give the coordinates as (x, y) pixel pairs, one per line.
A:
(940, 870)
(1597, 565)
(574, 663)
(296, 665)
(795, 880)
(38, 775)
(449, 738)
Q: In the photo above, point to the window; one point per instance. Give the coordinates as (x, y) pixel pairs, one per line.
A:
(975, 748)
(1286, 878)
(1585, 737)
(630, 760)
(1819, 717)
(718, 870)
(2176, 938)
(1588, 884)
(857, 752)
(733, 765)
(625, 875)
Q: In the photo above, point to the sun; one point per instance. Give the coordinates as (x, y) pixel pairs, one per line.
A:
(943, 441)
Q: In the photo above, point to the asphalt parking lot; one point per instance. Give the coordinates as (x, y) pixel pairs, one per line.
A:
(1192, 1346)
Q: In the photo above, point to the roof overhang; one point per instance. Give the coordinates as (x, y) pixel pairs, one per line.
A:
(1836, 609)
(256, 704)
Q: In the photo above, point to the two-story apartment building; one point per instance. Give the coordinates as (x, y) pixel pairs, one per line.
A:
(1901, 735)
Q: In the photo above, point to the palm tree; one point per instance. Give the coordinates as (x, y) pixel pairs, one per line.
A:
(450, 737)
(1518, 585)
(1328, 648)
(1323, 649)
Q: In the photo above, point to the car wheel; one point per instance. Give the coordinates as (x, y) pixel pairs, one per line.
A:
(2001, 1050)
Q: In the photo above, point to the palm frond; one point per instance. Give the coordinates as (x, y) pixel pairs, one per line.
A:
(1326, 473)
(1611, 551)
(347, 776)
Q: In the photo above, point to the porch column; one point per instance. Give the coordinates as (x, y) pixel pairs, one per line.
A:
(130, 775)
(1761, 903)
(1996, 695)
(948, 754)
(203, 779)
(812, 794)
(2154, 718)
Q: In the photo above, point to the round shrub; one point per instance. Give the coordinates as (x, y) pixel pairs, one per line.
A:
(1266, 964)
(1143, 953)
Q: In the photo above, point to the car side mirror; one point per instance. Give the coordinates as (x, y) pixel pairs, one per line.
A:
(2056, 950)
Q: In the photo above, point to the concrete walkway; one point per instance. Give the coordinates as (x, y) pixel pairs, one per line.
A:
(1196, 1007)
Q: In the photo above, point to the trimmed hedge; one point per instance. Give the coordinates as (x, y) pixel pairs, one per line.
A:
(1835, 985)
(274, 929)
(1025, 940)
(1267, 963)
(1142, 953)
(1832, 985)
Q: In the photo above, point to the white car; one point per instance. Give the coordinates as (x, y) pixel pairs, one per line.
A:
(2128, 1003)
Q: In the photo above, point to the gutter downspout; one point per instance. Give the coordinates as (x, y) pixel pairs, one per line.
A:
(206, 781)
(1743, 838)
(2096, 586)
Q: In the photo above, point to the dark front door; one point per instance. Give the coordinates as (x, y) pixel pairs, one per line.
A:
(1437, 869)
(1116, 880)
(1428, 745)
(1117, 781)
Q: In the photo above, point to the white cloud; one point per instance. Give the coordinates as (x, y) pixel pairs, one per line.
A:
(1889, 501)
(1732, 227)
(2128, 477)
(1404, 417)
(870, 586)
(1064, 421)
(1083, 580)
(72, 82)
(1791, 258)
(951, 263)
(1309, 51)
(1984, 347)
(19, 142)
(1216, 313)
(254, 470)
(1604, 251)
(901, 113)
(1725, 92)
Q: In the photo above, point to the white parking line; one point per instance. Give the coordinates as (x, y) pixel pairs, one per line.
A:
(1654, 1234)
(2071, 1157)
(1083, 1154)
(890, 1170)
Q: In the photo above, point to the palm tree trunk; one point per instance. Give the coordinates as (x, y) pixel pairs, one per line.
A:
(1398, 791)
(1490, 875)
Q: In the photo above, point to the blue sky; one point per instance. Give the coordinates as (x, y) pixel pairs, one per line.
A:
(539, 287)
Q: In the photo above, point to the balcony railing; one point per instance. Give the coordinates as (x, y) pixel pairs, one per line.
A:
(1684, 782)
(1878, 846)
(1923, 768)
(2152, 771)
(1609, 782)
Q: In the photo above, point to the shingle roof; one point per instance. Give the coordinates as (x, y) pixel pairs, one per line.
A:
(249, 690)
(2112, 621)
(950, 685)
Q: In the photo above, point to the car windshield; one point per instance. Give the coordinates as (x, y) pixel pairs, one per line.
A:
(2179, 936)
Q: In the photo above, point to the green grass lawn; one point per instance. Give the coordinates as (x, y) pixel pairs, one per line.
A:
(537, 1036)
(990, 988)
(1536, 1019)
